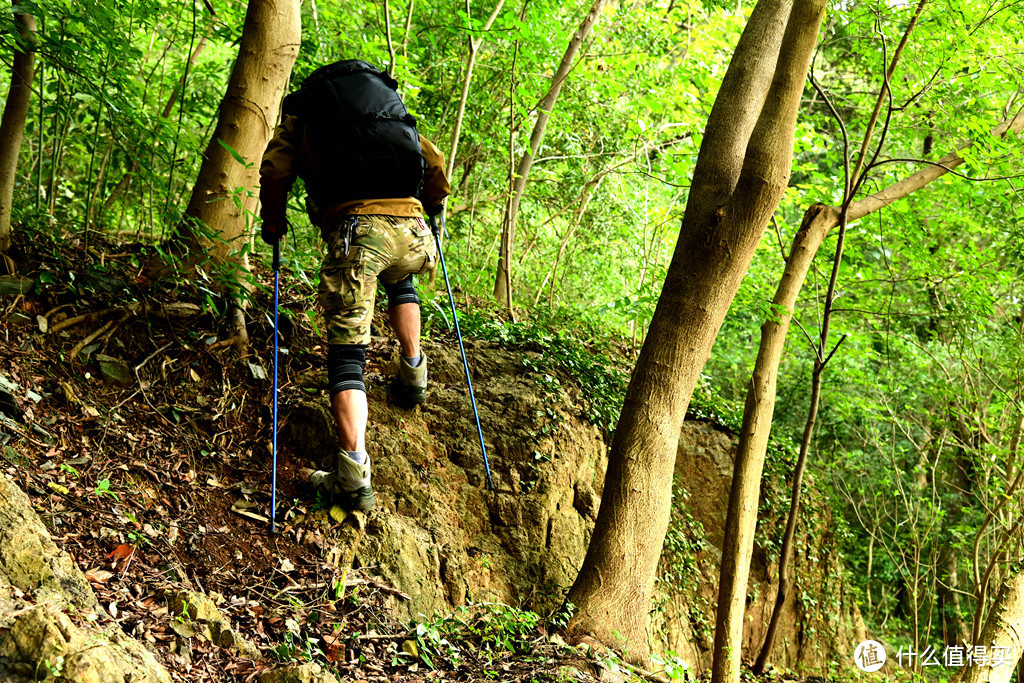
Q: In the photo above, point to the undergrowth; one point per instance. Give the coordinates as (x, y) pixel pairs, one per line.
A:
(564, 347)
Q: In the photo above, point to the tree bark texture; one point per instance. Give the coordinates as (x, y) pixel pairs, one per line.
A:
(742, 171)
(502, 280)
(1003, 629)
(248, 114)
(793, 62)
(817, 222)
(12, 125)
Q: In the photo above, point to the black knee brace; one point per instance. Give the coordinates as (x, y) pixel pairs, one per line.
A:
(345, 363)
(402, 292)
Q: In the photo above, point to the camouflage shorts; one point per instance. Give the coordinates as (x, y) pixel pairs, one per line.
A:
(384, 248)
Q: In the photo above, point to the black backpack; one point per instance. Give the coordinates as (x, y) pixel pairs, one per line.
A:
(364, 138)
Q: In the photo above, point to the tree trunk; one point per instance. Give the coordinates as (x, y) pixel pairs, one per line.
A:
(12, 126)
(741, 173)
(954, 629)
(1002, 630)
(126, 179)
(474, 48)
(760, 402)
(223, 199)
(503, 277)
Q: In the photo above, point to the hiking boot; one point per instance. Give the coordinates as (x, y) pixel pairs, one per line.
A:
(349, 486)
(409, 388)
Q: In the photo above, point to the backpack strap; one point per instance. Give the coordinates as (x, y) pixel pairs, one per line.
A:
(408, 119)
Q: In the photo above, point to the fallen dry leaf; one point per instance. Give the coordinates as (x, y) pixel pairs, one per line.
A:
(99, 575)
(121, 552)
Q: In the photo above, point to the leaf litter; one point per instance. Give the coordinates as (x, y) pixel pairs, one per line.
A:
(162, 483)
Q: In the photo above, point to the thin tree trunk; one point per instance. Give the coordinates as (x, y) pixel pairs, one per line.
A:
(61, 134)
(391, 45)
(39, 136)
(742, 171)
(1002, 630)
(576, 220)
(818, 221)
(504, 246)
(90, 197)
(408, 30)
(503, 276)
(100, 176)
(12, 125)
(192, 59)
(223, 200)
(126, 179)
(474, 48)
(981, 581)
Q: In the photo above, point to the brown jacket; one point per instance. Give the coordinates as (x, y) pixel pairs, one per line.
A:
(290, 154)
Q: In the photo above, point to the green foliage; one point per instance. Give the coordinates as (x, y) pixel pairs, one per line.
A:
(684, 540)
(562, 352)
(913, 442)
(102, 488)
(483, 631)
(674, 667)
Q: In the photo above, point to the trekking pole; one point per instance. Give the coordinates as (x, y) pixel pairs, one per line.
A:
(273, 476)
(458, 333)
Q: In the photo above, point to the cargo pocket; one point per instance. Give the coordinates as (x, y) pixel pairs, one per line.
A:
(343, 281)
(424, 245)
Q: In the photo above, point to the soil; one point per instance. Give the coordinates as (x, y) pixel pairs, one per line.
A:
(153, 470)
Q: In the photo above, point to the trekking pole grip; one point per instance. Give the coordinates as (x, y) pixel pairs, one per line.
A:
(277, 255)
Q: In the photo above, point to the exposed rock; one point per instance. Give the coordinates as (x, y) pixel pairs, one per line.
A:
(45, 645)
(439, 535)
(38, 584)
(306, 673)
(686, 618)
(198, 614)
(12, 285)
(347, 537)
(114, 370)
(31, 561)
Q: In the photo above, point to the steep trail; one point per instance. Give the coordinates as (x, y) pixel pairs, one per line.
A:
(146, 453)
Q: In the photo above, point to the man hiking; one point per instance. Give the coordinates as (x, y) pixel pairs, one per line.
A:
(369, 178)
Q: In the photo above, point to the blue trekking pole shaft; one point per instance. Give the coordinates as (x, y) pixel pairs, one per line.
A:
(273, 476)
(462, 349)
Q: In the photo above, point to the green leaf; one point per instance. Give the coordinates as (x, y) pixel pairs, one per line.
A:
(234, 153)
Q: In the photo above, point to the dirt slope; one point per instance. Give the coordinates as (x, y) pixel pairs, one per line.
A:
(144, 445)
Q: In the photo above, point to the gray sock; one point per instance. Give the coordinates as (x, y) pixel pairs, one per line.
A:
(359, 456)
(414, 362)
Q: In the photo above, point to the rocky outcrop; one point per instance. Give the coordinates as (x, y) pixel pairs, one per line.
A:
(438, 533)
(44, 644)
(32, 563)
(305, 673)
(49, 616)
(442, 538)
(197, 614)
(816, 628)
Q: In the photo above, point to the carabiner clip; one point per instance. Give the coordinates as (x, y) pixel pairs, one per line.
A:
(348, 233)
